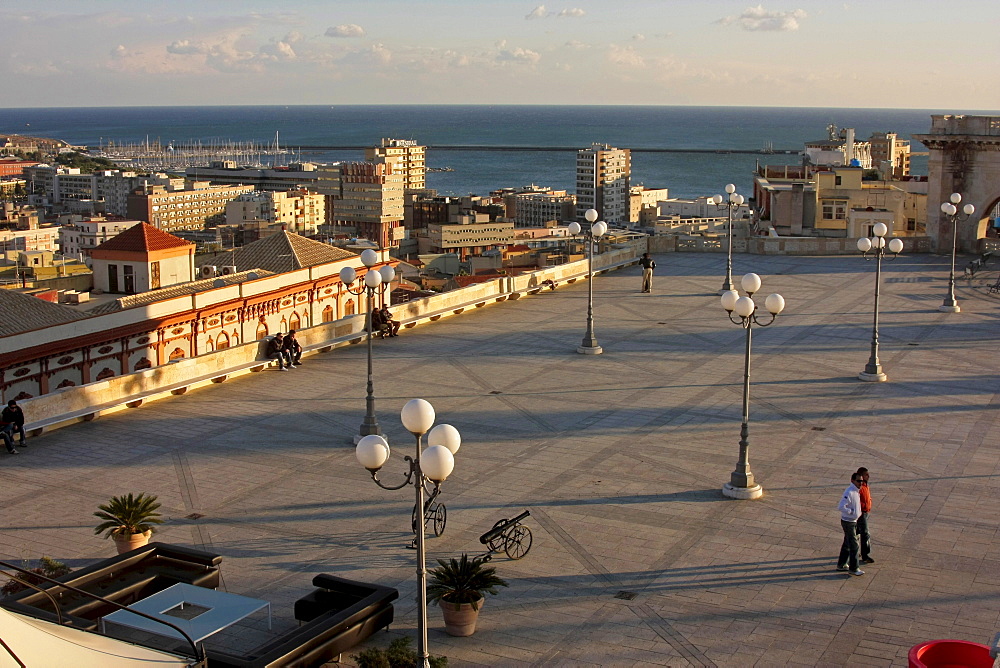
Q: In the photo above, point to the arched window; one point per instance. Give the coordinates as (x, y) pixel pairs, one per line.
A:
(235, 341)
(105, 373)
(177, 354)
(328, 314)
(349, 307)
(261, 331)
(222, 342)
(294, 322)
(144, 363)
(284, 325)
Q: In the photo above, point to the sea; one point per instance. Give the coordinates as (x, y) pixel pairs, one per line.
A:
(717, 130)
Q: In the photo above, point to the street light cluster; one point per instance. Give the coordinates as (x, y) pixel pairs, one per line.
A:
(950, 210)
(431, 466)
(732, 201)
(877, 245)
(597, 229)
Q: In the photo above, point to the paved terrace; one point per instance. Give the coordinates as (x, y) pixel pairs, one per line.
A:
(620, 459)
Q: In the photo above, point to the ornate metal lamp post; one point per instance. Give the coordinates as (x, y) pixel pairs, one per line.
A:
(430, 467)
(950, 211)
(873, 370)
(741, 483)
(373, 280)
(597, 229)
(732, 200)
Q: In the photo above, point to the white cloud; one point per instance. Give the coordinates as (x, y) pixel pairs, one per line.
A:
(184, 47)
(638, 37)
(537, 13)
(280, 50)
(518, 55)
(759, 19)
(625, 56)
(380, 52)
(345, 30)
(119, 51)
(573, 13)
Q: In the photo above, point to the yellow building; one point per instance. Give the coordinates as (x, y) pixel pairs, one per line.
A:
(298, 211)
(406, 156)
(187, 209)
(851, 207)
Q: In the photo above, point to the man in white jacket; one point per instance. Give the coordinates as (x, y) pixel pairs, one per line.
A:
(850, 511)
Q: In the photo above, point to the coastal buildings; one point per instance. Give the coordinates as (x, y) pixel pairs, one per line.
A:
(105, 192)
(470, 233)
(366, 196)
(298, 211)
(602, 182)
(407, 157)
(228, 172)
(80, 237)
(140, 259)
(182, 209)
(643, 207)
(537, 206)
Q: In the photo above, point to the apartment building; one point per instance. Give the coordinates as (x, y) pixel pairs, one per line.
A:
(100, 192)
(469, 234)
(368, 196)
(602, 182)
(185, 209)
(643, 205)
(536, 206)
(14, 167)
(890, 155)
(406, 156)
(80, 237)
(298, 211)
(35, 239)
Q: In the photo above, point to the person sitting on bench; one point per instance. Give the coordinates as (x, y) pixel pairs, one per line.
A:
(276, 351)
(392, 326)
(379, 328)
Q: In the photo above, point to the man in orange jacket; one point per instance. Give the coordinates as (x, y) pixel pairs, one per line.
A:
(866, 505)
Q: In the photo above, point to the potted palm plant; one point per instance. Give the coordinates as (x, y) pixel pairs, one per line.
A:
(459, 587)
(128, 520)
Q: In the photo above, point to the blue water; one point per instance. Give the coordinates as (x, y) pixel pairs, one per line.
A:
(686, 175)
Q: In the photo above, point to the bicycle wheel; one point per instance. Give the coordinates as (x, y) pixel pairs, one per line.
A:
(413, 520)
(518, 542)
(440, 519)
(496, 543)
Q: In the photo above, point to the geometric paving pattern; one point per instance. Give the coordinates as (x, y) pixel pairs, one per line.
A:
(619, 457)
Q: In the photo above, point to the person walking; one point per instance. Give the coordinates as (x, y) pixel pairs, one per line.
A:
(293, 349)
(864, 538)
(850, 511)
(647, 272)
(13, 421)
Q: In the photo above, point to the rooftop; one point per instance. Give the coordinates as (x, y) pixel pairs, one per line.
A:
(23, 313)
(637, 558)
(278, 253)
(190, 288)
(142, 238)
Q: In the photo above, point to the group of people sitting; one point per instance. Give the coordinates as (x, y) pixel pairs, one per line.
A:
(286, 349)
(383, 324)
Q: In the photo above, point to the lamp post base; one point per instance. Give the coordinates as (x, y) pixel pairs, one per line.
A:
(754, 492)
(358, 437)
(873, 377)
(590, 350)
(950, 308)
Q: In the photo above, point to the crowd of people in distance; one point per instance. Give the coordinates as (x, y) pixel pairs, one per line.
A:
(286, 349)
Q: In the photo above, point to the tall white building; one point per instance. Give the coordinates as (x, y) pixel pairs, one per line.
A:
(602, 182)
(407, 158)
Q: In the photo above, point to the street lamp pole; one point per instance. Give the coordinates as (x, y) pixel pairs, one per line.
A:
(589, 345)
(432, 466)
(373, 280)
(873, 370)
(741, 483)
(950, 211)
(732, 200)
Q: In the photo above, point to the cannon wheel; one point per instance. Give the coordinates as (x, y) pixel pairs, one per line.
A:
(497, 542)
(440, 519)
(518, 542)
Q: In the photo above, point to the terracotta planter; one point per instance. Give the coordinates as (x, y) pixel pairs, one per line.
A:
(131, 541)
(460, 618)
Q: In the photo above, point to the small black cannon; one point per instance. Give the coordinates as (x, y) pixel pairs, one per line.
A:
(508, 535)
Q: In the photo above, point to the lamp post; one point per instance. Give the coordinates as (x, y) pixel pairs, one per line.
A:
(432, 466)
(597, 229)
(732, 200)
(373, 280)
(950, 211)
(741, 483)
(873, 370)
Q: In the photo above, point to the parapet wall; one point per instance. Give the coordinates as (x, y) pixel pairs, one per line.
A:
(84, 402)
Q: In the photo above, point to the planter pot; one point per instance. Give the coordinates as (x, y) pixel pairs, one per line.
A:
(460, 618)
(131, 541)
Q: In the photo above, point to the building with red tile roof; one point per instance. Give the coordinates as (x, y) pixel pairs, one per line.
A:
(142, 258)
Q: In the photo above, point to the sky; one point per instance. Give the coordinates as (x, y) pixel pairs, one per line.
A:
(797, 53)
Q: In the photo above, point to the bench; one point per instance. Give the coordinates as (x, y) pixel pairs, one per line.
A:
(337, 616)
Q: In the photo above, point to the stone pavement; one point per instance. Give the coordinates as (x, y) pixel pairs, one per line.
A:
(637, 557)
